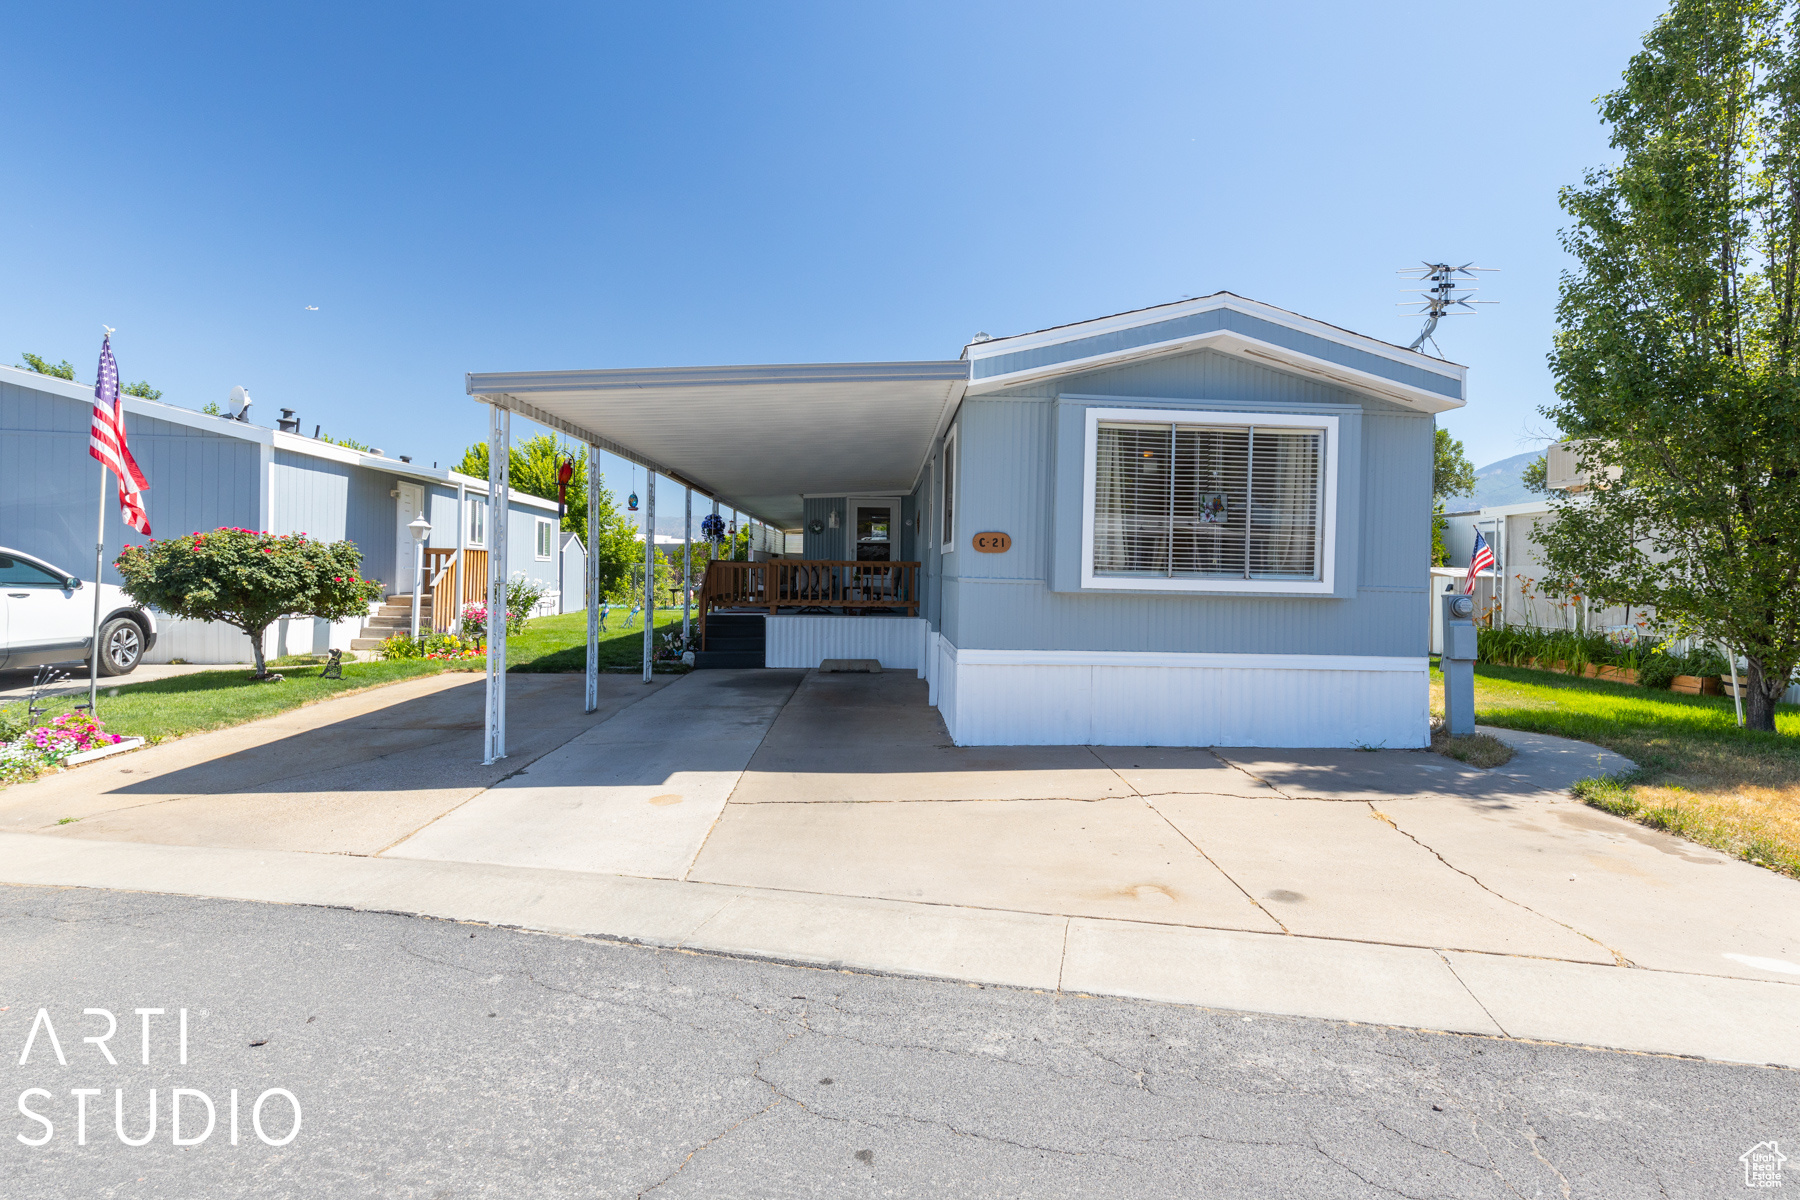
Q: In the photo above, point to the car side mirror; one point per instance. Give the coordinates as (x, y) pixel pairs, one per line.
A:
(73, 584)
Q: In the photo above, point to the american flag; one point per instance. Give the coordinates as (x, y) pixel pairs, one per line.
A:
(1481, 560)
(106, 442)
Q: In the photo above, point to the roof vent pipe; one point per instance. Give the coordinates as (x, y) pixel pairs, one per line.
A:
(289, 423)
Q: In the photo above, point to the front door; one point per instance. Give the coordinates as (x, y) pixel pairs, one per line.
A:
(875, 533)
(410, 504)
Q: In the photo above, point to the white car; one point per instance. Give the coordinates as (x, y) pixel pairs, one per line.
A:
(47, 616)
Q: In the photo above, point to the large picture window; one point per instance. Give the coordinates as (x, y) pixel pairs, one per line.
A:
(1190, 500)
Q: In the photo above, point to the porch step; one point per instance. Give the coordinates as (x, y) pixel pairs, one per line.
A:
(366, 643)
(732, 640)
(719, 660)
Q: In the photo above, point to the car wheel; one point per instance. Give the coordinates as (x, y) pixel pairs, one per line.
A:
(121, 645)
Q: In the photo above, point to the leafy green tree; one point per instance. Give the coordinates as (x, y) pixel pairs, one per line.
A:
(1678, 330)
(248, 579)
(142, 388)
(1452, 474)
(1536, 476)
(531, 468)
(61, 370)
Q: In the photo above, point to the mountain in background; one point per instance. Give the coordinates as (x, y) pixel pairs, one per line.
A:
(1498, 483)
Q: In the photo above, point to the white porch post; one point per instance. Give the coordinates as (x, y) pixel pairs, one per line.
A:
(649, 569)
(593, 582)
(687, 566)
(499, 505)
(462, 537)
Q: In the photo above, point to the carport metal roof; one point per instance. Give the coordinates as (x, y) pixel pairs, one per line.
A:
(757, 438)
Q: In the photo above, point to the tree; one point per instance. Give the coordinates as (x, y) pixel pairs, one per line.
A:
(1536, 476)
(1675, 355)
(532, 467)
(248, 579)
(1452, 474)
(143, 389)
(61, 370)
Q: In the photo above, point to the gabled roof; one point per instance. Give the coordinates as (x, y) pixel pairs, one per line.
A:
(1228, 323)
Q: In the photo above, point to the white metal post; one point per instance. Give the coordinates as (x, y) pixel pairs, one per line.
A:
(593, 582)
(499, 502)
(649, 570)
(94, 645)
(687, 566)
(418, 583)
(462, 535)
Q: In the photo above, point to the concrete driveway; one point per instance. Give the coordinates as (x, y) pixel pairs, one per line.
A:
(826, 818)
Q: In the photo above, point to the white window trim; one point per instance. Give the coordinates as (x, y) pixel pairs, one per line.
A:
(949, 479)
(1324, 586)
(478, 504)
(538, 536)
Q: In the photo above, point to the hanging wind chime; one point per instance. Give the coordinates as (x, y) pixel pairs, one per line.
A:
(631, 501)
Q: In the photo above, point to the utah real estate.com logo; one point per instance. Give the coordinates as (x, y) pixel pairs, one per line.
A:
(1762, 1165)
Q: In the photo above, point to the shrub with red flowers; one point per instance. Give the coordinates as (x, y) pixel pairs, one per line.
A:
(248, 579)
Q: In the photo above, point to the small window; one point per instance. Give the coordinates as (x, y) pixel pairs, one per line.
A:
(478, 508)
(950, 492)
(545, 538)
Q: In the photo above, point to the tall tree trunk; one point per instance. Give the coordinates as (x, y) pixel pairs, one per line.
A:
(1763, 691)
(256, 648)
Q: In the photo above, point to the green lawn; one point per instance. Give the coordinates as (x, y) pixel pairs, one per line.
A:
(1701, 776)
(214, 699)
(207, 700)
(560, 643)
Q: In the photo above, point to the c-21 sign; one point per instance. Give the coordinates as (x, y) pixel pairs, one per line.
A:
(992, 542)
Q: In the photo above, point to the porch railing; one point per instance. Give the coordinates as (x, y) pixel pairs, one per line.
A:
(808, 583)
(454, 590)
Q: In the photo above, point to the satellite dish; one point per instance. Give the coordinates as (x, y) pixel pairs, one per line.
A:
(240, 403)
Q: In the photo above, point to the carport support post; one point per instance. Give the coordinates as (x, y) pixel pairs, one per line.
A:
(649, 570)
(687, 566)
(499, 509)
(593, 582)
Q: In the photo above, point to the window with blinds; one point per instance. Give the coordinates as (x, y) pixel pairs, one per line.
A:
(1209, 501)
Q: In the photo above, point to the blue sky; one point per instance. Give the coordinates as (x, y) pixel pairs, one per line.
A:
(547, 186)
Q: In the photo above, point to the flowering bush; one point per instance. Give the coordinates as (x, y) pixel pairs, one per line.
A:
(35, 750)
(522, 596)
(443, 647)
(248, 579)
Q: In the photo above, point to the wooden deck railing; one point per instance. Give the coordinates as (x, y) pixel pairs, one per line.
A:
(808, 583)
(452, 594)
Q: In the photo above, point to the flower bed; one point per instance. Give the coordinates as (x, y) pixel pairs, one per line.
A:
(31, 751)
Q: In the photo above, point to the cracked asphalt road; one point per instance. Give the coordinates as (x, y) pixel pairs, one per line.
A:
(436, 1059)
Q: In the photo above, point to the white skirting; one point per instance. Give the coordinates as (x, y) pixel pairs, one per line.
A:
(898, 643)
(1055, 698)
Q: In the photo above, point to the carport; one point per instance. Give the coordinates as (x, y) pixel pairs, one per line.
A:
(756, 438)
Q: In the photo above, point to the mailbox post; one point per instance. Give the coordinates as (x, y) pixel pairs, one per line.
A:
(1458, 663)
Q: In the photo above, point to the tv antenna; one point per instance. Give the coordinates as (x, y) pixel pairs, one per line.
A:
(1446, 297)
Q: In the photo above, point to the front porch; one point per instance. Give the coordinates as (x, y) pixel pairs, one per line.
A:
(795, 612)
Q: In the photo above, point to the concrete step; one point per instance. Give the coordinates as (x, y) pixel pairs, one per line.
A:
(366, 643)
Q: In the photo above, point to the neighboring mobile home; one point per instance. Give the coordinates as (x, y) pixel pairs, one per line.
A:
(1204, 523)
(206, 472)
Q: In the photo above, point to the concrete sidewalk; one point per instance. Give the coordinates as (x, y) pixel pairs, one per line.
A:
(826, 819)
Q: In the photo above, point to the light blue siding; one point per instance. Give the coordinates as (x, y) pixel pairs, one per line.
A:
(1019, 475)
(828, 543)
(49, 485)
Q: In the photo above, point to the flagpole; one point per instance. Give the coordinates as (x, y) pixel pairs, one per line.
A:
(94, 645)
